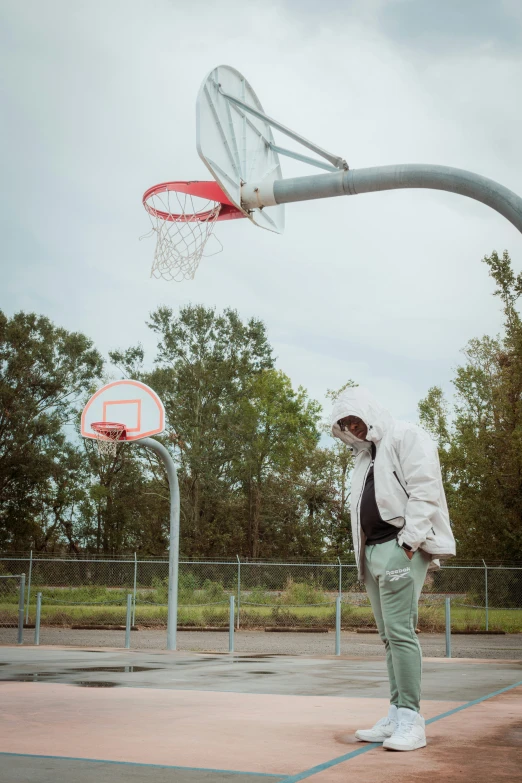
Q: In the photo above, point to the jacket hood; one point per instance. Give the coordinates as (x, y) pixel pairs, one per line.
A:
(358, 401)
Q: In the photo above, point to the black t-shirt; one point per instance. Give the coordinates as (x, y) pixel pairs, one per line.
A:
(376, 530)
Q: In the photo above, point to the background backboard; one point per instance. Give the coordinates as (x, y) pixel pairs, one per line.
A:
(235, 145)
(129, 402)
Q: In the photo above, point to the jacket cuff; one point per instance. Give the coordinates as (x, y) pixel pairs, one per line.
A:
(403, 538)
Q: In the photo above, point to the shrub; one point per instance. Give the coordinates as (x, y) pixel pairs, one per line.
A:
(213, 591)
(302, 594)
(258, 596)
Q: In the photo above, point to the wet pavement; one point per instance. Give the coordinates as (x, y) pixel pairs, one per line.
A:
(109, 716)
(269, 674)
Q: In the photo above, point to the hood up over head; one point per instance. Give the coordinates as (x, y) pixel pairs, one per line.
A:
(358, 401)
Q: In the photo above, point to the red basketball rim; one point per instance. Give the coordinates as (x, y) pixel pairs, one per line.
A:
(112, 430)
(204, 190)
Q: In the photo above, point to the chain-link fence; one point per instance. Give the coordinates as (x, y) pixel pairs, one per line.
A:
(89, 592)
(12, 590)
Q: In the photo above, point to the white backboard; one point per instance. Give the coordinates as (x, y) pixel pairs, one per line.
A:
(127, 402)
(234, 145)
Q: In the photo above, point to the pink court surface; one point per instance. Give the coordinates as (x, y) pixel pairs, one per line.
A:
(74, 714)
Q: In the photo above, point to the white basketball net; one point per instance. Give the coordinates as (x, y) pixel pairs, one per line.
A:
(107, 442)
(180, 243)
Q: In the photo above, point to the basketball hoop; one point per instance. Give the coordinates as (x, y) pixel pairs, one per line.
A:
(183, 217)
(108, 434)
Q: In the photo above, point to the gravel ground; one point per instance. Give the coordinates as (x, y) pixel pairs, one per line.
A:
(507, 647)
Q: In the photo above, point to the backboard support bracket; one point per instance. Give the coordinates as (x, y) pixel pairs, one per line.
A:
(336, 161)
(303, 158)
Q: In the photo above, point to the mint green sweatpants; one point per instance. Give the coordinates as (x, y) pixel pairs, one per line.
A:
(394, 583)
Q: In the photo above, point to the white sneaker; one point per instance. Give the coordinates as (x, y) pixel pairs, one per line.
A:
(410, 733)
(383, 729)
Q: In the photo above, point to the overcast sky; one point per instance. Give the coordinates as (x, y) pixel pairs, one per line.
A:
(99, 104)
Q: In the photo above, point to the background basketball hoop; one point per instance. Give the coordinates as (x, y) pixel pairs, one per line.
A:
(108, 435)
(136, 404)
(183, 217)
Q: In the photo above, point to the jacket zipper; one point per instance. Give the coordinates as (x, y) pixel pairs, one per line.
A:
(398, 479)
(359, 512)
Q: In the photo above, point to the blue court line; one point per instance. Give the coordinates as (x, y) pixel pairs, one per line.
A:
(347, 756)
(141, 764)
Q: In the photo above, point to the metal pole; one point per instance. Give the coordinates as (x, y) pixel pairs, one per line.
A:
(21, 610)
(29, 587)
(128, 621)
(37, 621)
(231, 626)
(486, 585)
(340, 577)
(134, 598)
(338, 625)
(238, 587)
(172, 611)
(448, 627)
(350, 183)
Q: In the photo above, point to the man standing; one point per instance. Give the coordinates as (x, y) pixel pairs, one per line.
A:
(400, 524)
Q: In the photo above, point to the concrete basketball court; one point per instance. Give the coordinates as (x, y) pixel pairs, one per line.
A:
(82, 715)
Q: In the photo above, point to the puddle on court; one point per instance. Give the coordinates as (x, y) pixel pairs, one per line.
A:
(42, 677)
(39, 676)
(261, 672)
(35, 677)
(124, 669)
(191, 663)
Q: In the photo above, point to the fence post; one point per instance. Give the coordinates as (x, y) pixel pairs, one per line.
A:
(37, 620)
(338, 625)
(29, 587)
(134, 599)
(448, 627)
(238, 587)
(231, 626)
(21, 606)
(128, 621)
(486, 585)
(340, 577)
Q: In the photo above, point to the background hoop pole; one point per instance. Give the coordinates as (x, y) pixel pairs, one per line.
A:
(172, 474)
(350, 183)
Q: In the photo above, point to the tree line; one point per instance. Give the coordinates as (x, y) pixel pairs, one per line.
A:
(256, 478)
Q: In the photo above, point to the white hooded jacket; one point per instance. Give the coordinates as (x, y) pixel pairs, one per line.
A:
(408, 482)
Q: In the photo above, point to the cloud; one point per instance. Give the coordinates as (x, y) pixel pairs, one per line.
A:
(447, 26)
(427, 28)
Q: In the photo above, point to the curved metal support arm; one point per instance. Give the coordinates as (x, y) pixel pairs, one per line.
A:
(350, 183)
(172, 611)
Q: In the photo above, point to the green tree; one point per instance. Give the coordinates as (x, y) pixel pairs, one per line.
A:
(341, 462)
(126, 508)
(276, 432)
(480, 440)
(204, 362)
(45, 371)
(58, 510)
